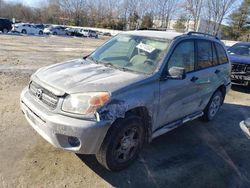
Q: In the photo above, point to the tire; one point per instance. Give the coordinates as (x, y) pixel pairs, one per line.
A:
(213, 106)
(40, 33)
(122, 143)
(24, 31)
(5, 30)
(54, 33)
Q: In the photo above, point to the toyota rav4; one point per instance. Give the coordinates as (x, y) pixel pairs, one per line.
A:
(134, 88)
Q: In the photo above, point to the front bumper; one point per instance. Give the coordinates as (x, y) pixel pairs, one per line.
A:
(242, 79)
(245, 127)
(57, 128)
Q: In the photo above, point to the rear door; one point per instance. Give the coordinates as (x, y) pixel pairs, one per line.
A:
(208, 71)
(34, 29)
(179, 98)
(29, 29)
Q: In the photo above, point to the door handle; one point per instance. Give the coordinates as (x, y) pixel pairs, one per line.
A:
(194, 78)
(217, 71)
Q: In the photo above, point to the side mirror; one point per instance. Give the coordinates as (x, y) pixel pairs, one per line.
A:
(178, 73)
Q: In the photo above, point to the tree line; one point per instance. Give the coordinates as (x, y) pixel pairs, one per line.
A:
(135, 14)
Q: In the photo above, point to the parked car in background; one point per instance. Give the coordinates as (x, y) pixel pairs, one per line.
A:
(80, 33)
(55, 30)
(40, 26)
(74, 32)
(107, 34)
(89, 33)
(93, 34)
(70, 31)
(134, 88)
(245, 127)
(5, 25)
(27, 28)
(239, 55)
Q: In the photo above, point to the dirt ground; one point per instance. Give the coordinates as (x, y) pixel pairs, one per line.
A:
(198, 154)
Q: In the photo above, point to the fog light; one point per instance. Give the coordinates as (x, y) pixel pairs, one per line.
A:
(73, 141)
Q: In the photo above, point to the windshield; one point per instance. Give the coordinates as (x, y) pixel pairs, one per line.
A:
(240, 49)
(133, 53)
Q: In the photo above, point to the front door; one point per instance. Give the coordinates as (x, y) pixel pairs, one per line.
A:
(179, 98)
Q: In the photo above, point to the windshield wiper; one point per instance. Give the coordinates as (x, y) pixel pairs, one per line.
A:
(131, 70)
(92, 59)
(107, 64)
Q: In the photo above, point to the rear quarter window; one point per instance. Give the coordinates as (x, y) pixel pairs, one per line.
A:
(222, 56)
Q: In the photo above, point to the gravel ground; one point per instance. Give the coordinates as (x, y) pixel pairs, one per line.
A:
(198, 154)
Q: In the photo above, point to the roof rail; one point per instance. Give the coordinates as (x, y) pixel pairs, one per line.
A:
(200, 33)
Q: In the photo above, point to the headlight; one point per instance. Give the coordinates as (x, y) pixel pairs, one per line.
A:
(85, 103)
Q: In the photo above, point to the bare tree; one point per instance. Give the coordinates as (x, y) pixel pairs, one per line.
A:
(75, 9)
(194, 8)
(164, 10)
(216, 12)
(118, 14)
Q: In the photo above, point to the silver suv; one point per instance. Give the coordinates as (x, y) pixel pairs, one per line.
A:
(134, 88)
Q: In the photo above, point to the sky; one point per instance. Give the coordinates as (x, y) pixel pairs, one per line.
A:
(35, 3)
(32, 3)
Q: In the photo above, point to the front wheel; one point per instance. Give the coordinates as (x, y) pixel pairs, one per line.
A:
(213, 106)
(5, 30)
(122, 143)
(40, 33)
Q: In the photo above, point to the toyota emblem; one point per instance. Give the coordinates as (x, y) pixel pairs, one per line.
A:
(39, 93)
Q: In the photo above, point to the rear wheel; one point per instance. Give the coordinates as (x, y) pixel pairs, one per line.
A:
(213, 106)
(40, 32)
(54, 33)
(122, 143)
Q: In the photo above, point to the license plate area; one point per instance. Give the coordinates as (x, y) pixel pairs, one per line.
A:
(34, 118)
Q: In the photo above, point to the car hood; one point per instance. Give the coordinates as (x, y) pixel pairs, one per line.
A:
(239, 59)
(83, 76)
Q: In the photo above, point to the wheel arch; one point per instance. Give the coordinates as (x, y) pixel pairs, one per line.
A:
(222, 88)
(143, 113)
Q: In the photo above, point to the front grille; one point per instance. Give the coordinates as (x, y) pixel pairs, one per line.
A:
(42, 94)
(240, 68)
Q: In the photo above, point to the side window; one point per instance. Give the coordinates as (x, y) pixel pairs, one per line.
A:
(204, 54)
(222, 56)
(183, 56)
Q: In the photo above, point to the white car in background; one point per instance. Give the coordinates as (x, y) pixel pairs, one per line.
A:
(87, 32)
(27, 28)
(55, 30)
(90, 33)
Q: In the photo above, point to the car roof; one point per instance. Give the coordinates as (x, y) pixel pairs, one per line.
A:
(4, 18)
(172, 35)
(155, 34)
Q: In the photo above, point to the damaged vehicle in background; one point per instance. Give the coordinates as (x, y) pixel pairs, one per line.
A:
(239, 55)
(134, 88)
